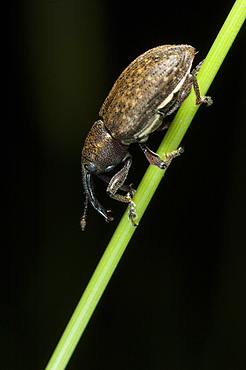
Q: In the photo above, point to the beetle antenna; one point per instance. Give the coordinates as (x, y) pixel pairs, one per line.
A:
(83, 218)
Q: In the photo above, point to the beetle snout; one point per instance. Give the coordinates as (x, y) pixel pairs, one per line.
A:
(87, 173)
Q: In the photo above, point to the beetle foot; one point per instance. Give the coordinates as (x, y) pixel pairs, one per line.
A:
(173, 154)
(204, 99)
(109, 218)
(132, 211)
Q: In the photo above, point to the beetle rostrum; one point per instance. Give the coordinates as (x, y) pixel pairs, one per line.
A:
(152, 87)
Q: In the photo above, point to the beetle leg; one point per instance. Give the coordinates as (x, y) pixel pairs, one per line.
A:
(116, 183)
(124, 187)
(119, 178)
(156, 160)
(185, 91)
(182, 94)
(200, 99)
(164, 126)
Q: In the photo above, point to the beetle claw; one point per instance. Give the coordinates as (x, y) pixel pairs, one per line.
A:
(131, 218)
(109, 218)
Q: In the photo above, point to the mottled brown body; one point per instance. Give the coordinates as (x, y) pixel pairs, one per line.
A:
(142, 87)
(150, 88)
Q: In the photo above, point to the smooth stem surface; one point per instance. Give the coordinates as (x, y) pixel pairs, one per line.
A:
(145, 191)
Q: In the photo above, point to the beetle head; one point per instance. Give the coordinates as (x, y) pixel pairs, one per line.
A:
(101, 153)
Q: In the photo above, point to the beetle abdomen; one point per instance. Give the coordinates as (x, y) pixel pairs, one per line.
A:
(148, 83)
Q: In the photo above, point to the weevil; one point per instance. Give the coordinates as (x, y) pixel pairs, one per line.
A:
(152, 87)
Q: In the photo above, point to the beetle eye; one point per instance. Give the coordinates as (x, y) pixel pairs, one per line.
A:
(89, 167)
(109, 168)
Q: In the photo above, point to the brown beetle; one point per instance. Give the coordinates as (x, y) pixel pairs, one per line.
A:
(151, 87)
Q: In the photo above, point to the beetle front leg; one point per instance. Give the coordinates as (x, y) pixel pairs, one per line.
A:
(117, 182)
(156, 160)
(124, 187)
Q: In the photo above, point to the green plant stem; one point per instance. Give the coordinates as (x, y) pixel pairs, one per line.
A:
(145, 191)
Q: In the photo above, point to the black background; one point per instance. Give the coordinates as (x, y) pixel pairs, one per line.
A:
(177, 300)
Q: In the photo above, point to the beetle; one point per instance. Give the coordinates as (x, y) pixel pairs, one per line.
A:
(152, 87)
